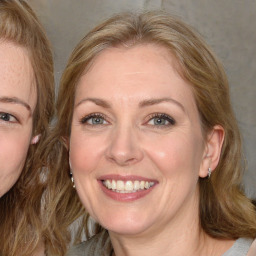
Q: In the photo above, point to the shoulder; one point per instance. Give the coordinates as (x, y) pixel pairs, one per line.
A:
(98, 245)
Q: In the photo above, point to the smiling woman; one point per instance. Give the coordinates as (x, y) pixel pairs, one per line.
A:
(146, 131)
(26, 107)
(134, 157)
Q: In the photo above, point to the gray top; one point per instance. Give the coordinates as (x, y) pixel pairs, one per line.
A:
(239, 248)
(100, 245)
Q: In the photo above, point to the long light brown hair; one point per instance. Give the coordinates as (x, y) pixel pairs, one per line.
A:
(225, 212)
(20, 208)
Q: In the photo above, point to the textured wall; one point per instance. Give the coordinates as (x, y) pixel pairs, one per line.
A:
(228, 26)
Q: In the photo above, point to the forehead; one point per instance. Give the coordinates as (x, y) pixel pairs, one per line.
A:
(16, 73)
(146, 66)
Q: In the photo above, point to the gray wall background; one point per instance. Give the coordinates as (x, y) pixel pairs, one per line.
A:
(227, 25)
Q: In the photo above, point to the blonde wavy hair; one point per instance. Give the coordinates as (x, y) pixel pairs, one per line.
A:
(225, 212)
(21, 224)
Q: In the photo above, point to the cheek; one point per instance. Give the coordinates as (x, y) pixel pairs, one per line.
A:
(85, 152)
(177, 154)
(13, 152)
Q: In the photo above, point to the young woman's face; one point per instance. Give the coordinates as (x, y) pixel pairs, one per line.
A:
(136, 145)
(17, 103)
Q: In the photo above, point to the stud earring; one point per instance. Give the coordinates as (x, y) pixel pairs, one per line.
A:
(209, 172)
(72, 179)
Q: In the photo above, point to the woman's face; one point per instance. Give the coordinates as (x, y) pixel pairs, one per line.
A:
(17, 103)
(136, 146)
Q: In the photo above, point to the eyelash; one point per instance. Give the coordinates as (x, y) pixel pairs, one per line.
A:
(4, 114)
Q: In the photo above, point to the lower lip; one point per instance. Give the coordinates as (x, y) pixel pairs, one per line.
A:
(125, 197)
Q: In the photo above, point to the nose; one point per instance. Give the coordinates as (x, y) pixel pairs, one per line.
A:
(124, 148)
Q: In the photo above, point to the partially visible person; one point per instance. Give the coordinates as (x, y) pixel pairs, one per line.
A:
(146, 132)
(26, 108)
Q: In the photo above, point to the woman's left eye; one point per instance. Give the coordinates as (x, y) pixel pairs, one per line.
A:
(6, 117)
(161, 120)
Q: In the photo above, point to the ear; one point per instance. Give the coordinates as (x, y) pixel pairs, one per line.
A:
(35, 139)
(212, 150)
(65, 141)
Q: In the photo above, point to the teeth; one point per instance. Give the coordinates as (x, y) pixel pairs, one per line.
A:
(121, 186)
(136, 185)
(113, 184)
(129, 186)
(108, 184)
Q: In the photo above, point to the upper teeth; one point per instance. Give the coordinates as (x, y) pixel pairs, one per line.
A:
(127, 186)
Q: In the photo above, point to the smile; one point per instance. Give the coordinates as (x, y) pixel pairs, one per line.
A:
(120, 186)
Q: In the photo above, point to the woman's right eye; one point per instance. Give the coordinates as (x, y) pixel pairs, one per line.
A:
(94, 119)
(6, 117)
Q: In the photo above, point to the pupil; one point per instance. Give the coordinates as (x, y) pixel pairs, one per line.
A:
(97, 120)
(159, 121)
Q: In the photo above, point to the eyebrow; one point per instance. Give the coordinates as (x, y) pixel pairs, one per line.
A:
(150, 102)
(15, 100)
(96, 101)
(144, 103)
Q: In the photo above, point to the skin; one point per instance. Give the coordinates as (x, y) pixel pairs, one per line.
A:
(126, 88)
(17, 103)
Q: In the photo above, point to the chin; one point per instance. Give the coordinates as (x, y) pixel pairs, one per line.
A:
(126, 230)
(126, 225)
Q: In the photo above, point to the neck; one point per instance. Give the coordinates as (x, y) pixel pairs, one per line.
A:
(204, 246)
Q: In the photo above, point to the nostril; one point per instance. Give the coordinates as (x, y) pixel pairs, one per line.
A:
(122, 160)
